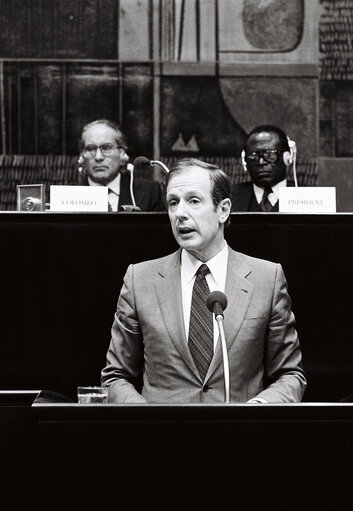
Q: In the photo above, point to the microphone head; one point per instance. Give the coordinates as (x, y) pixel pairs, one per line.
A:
(129, 207)
(142, 162)
(216, 299)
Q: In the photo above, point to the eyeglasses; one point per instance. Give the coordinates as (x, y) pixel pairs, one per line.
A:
(90, 151)
(269, 155)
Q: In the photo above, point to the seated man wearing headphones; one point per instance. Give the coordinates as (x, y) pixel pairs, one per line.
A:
(103, 162)
(267, 155)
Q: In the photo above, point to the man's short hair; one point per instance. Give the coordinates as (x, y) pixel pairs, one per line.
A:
(120, 136)
(220, 184)
(270, 129)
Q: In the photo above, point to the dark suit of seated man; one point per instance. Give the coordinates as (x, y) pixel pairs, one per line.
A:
(103, 161)
(266, 156)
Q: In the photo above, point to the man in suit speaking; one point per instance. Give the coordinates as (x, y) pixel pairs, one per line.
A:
(164, 346)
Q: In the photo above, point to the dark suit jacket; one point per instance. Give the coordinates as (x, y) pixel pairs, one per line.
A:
(148, 338)
(148, 193)
(244, 199)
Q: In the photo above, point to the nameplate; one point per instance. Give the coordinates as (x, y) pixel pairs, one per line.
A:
(78, 198)
(307, 199)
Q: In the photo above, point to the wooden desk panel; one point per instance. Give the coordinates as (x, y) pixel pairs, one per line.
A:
(256, 457)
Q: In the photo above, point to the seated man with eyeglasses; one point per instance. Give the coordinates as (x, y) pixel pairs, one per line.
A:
(267, 155)
(103, 162)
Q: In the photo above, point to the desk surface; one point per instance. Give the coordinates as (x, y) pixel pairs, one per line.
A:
(297, 412)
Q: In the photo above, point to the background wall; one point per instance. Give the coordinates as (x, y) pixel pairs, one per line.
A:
(181, 76)
(336, 99)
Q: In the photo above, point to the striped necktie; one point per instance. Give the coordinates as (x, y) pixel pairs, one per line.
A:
(265, 204)
(201, 323)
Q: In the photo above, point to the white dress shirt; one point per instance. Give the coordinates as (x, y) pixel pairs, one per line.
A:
(113, 191)
(216, 281)
(272, 197)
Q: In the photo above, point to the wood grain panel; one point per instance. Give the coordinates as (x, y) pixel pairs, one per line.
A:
(58, 29)
(92, 93)
(134, 30)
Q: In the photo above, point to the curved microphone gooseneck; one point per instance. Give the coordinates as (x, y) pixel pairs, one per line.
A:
(130, 168)
(293, 150)
(129, 207)
(143, 162)
(217, 302)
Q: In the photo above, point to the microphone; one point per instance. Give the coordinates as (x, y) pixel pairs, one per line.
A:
(217, 302)
(141, 162)
(129, 207)
(293, 148)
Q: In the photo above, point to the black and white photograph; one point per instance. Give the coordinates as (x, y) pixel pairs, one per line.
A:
(176, 250)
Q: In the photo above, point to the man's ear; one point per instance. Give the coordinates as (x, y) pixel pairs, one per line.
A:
(225, 207)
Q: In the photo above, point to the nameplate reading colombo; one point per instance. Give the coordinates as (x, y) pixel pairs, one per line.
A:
(78, 198)
(307, 199)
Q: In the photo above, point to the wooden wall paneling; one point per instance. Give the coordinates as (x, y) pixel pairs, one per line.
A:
(336, 53)
(168, 17)
(50, 108)
(138, 108)
(327, 131)
(288, 102)
(208, 31)
(134, 34)
(52, 29)
(2, 110)
(27, 114)
(188, 32)
(344, 114)
(92, 93)
(34, 115)
(12, 106)
(192, 106)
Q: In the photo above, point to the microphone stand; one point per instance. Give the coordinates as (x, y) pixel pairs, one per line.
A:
(219, 319)
(160, 164)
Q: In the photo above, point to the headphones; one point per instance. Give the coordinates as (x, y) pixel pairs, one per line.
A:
(289, 157)
(80, 162)
(123, 156)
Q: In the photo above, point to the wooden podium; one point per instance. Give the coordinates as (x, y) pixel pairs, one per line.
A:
(194, 457)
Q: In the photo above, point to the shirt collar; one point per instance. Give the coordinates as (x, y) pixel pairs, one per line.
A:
(114, 185)
(258, 191)
(216, 265)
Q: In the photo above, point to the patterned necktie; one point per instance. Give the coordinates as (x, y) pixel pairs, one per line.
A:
(113, 200)
(201, 323)
(265, 204)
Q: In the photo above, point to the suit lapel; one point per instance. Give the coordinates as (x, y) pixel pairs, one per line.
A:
(239, 291)
(244, 198)
(168, 290)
